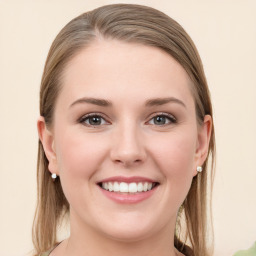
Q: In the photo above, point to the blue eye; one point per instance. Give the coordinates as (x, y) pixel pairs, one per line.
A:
(162, 119)
(93, 120)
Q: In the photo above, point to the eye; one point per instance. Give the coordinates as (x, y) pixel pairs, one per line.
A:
(93, 120)
(162, 119)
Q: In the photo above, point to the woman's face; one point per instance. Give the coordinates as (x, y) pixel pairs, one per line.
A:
(125, 141)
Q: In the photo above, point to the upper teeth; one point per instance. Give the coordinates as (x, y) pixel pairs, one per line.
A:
(127, 187)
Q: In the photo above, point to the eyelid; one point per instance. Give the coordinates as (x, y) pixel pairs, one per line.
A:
(172, 118)
(99, 114)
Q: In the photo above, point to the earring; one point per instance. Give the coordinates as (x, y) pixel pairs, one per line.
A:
(54, 176)
(199, 168)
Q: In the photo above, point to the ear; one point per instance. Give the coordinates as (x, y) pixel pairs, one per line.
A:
(203, 139)
(47, 140)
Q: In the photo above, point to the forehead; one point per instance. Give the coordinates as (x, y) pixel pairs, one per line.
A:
(111, 69)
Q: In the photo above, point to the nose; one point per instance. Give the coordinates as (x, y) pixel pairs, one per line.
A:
(128, 148)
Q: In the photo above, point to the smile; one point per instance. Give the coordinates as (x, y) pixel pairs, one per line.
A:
(128, 190)
(124, 187)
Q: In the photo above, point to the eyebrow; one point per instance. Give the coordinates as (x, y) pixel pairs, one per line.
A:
(162, 101)
(149, 103)
(94, 101)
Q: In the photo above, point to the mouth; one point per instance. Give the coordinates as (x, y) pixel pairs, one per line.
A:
(128, 190)
(128, 187)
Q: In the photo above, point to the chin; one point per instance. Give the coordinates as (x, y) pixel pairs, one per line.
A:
(128, 235)
(130, 229)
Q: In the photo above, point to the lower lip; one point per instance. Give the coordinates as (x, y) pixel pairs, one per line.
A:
(129, 198)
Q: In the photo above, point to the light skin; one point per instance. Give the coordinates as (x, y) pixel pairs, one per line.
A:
(142, 123)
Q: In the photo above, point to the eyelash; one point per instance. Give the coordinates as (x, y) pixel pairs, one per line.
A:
(171, 118)
(82, 120)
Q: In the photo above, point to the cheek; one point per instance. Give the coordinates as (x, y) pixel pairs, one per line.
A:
(79, 155)
(177, 149)
(175, 156)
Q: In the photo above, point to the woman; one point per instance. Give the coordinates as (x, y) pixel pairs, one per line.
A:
(125, 131)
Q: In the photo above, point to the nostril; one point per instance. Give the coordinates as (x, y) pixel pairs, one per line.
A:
(127, 162)
(128, 153)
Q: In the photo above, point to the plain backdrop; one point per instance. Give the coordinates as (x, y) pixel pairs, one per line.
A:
(225, 34)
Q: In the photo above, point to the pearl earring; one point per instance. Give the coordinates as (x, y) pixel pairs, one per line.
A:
(199, 168)
(54, 175)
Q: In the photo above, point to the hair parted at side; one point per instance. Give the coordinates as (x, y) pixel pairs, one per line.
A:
(133, 24)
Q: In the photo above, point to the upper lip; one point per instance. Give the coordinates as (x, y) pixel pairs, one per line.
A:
(127, 179)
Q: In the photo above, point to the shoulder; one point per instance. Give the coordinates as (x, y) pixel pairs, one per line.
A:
(249, 252)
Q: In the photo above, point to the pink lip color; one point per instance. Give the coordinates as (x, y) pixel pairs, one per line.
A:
(128, 198)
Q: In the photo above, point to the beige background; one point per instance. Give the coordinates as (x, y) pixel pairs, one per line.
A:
(225, 34)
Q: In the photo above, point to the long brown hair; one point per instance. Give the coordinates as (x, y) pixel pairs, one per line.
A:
(146, 26)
